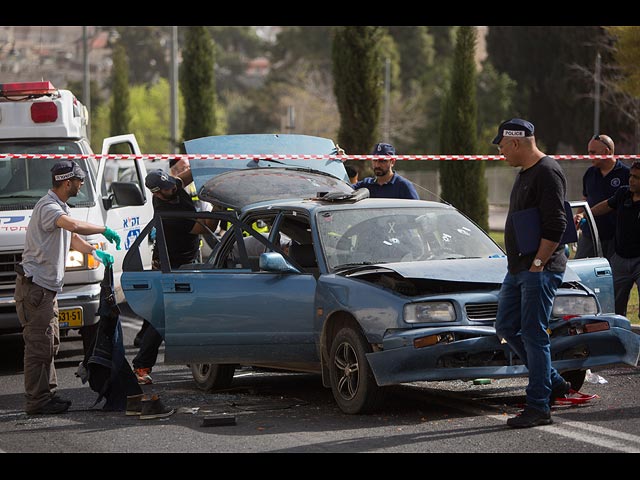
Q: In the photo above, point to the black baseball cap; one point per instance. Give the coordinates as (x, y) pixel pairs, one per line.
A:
(383, 149)
(515, 128)
(159, 180)
(67, 169)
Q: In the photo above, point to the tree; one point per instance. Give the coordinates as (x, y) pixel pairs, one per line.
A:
(357, 85)
(120, 113)
(197, 83)
(627, 55)
(556, 95)
(463, 183)
(147, 51)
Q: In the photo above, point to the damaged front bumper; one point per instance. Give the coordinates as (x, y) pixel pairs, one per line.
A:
(468, 352)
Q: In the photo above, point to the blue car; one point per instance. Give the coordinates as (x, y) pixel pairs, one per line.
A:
(366, 292)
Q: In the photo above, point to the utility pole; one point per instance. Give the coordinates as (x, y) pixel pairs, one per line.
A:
(387, 100)
(173, 78)
(86, 89)
(596, 109)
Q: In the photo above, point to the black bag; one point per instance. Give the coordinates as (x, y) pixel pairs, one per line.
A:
(105, 366)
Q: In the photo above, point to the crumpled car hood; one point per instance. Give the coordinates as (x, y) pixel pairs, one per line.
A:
(476, 270)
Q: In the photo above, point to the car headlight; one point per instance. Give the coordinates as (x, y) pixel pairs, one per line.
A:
(429, 312)
(574, 305)
(81, 261)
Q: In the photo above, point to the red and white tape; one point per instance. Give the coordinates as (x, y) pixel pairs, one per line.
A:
(164, 156)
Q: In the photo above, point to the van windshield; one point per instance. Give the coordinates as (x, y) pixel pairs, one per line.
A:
(23, 180)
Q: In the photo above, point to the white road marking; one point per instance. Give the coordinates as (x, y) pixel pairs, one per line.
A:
(569, 430)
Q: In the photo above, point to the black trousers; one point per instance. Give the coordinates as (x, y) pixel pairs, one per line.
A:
(148, 353)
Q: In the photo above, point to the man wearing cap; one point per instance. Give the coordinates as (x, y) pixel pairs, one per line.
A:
(600, 182)
(182, 237)
(529, 287)
(386, 183)
(40, 277)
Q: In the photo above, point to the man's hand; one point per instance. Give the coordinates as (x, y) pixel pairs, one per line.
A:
(113, 237)
(103, 257)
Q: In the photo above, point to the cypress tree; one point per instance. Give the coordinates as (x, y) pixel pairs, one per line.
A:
(357, 77)
(463, 183)
(197, 83)
(120, 115)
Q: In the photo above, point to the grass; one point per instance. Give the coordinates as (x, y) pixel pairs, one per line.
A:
(634, 301)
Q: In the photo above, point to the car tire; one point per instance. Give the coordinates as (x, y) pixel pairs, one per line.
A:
(575, 377)
(352, 382)
(210, 376)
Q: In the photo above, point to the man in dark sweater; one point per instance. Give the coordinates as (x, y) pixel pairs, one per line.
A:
(527, 293)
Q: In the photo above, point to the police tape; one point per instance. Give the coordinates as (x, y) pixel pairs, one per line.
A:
(268, 156)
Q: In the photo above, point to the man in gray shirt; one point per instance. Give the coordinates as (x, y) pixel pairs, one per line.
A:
(50, 234)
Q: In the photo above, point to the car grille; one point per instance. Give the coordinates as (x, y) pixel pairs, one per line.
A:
(8, 262)
(481, 311)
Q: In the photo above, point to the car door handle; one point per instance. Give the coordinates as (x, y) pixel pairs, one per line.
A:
(603, 272)
(182, 287)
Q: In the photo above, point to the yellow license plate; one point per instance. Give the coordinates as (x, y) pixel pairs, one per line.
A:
(70, 318)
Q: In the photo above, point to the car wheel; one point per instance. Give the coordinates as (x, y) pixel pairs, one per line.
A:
(575, 377)
(209, 377)
(352, 382)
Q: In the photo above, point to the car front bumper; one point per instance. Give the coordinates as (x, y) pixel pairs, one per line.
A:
(468, 352)
(86, 297)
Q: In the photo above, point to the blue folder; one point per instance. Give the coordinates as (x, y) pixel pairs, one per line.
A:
(526, 224)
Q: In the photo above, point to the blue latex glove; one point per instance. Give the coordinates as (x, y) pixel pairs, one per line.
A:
(103, 257)
(113, 237)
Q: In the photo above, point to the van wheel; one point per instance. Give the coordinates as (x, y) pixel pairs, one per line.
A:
(210, 377)
(352, 382)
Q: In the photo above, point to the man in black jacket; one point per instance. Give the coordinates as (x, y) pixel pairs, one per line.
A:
(527, 293)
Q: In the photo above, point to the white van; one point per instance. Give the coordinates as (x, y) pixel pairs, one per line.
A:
(40, 125)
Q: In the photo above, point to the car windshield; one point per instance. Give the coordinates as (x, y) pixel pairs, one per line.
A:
(382, 235)
(23, 181)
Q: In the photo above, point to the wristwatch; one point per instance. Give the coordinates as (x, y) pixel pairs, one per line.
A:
(537, 263)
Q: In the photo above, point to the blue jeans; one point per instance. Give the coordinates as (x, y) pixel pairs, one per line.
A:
(524, 309)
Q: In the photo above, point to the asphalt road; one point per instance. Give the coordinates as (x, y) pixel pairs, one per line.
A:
(293, 413)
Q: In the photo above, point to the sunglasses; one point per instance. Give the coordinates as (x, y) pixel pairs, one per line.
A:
(600, 139)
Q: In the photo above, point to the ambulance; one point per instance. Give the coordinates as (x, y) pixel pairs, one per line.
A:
(39, 126)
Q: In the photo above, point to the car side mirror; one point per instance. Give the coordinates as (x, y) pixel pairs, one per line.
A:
(275, 262)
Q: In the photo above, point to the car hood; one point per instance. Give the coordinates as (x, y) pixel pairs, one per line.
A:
(267, 146)
(468, 270)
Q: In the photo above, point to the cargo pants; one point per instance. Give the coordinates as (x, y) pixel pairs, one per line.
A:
(37, 309)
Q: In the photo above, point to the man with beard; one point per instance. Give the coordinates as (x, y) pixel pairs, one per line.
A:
(182, 236)
(387, 183)
(40, 277)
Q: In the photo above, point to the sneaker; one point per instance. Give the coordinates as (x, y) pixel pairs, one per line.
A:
(560, 390)
(143, 376)
(530, 417)
(134, 405)
(49, 408)
(154, 408)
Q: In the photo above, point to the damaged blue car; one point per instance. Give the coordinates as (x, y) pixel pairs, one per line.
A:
(366, 292)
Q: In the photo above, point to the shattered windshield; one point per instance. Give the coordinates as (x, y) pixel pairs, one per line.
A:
(23, 180)
(383, 235)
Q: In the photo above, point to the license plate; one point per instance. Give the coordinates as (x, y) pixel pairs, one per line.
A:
(70, 318)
